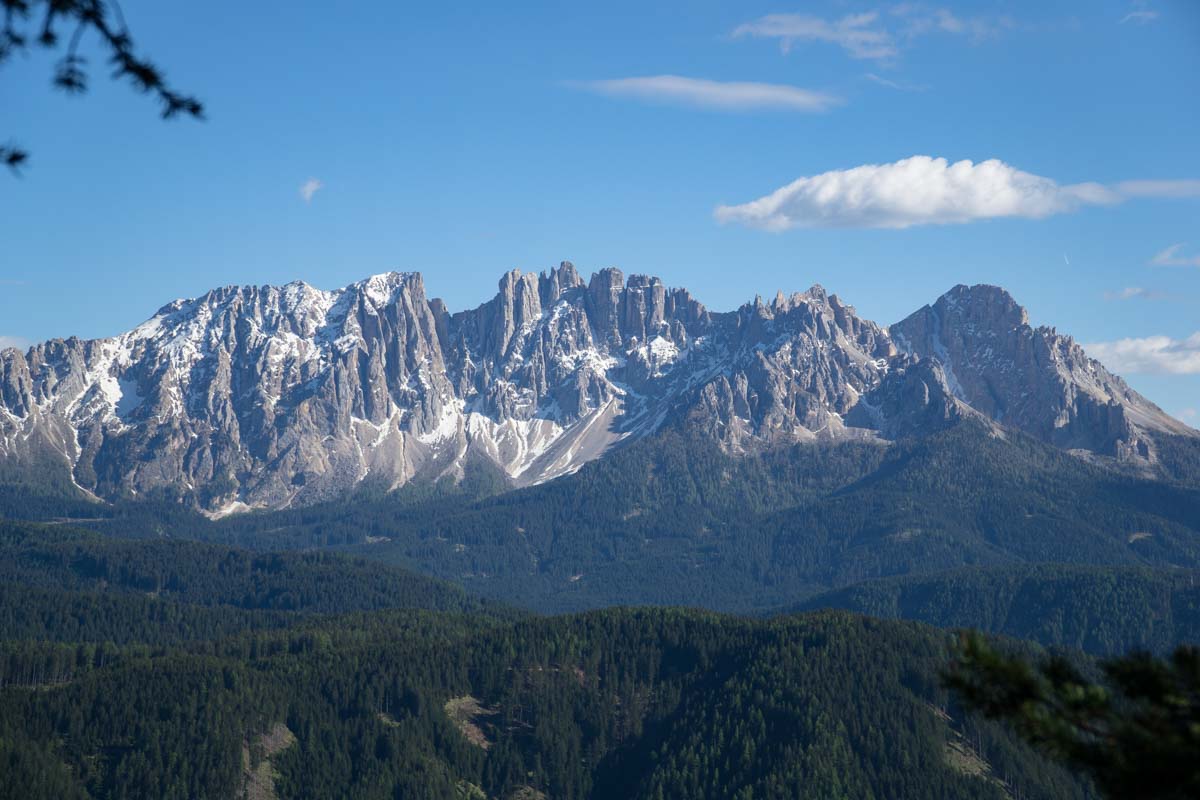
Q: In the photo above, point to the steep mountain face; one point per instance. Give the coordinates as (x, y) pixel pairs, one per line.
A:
(270, 396)
(1031, 378)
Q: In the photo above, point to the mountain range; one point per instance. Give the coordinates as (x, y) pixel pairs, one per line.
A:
(566, 447)
(268, 397)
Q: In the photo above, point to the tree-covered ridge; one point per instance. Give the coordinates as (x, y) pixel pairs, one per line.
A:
(72, 601)
(1100, 610)
(629, 704)
(122, 618)
(679, 522)
(56, 557)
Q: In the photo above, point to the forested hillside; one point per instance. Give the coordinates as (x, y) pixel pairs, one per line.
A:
(159, 667)
(62, 557)
(681, 523)
(615, 704)
(1101, 610)
(61, 584)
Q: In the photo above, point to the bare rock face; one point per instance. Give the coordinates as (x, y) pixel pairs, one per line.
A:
(913, 399)
(270, 396)
(791, 370)
(1032, 379)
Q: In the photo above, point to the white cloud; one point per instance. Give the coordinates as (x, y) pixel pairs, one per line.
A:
(1171, 257)
(719, 95)
(1152, 355)
(309, 188)
(1132, 292)
(871, 35)
(13, 341)
(923, 190)
(860, 35)
(1187, 415)
(914, 191)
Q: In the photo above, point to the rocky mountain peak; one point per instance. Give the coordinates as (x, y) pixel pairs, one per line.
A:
(1032, 379)
(983, 304)
(555, 282)
(381, 289)
(268, 396)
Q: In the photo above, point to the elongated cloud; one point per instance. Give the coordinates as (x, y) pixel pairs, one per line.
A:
(13, 341)
(899, 86)
(922, 190)
(1169, 189)
(1140, 17)
(1173, 257)
(914, 191)
(719, 95)
(1151, 355)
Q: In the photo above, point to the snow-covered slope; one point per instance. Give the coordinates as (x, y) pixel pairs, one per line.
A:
(268, 396)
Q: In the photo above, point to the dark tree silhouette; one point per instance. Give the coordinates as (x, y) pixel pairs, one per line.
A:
(39, 22)
(1136, 732)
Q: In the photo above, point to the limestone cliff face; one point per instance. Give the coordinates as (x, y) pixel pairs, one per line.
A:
(1033, 379)
(270, 396)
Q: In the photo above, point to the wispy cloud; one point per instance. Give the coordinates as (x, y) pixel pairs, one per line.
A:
(13, 341)
(1187, 415)
(1133, 293)
(309, 188)
(1140, 17)
(922, 190)
(899, 86)
(717, 95)
(918, 19)
(1169, 189)
(860, 35)
(1151, 355)
(1141, 13)
(873, 35)
(1173, 257)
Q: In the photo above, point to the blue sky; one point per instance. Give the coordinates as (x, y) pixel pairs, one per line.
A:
(462, 140)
